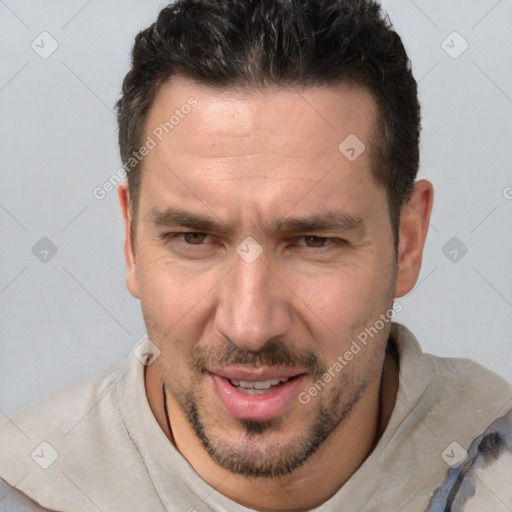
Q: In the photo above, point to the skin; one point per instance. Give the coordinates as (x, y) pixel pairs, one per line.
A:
(246, 159)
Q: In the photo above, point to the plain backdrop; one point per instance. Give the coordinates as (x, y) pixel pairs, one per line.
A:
(66, 314)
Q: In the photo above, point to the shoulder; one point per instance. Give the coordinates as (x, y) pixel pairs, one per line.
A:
(12, 500)
(459, 417)
(458, 381)
(61, 412)
(75, 434)
(465, 390)
(456, 396)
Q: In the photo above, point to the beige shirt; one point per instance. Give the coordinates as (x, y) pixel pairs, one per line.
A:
(96, 445)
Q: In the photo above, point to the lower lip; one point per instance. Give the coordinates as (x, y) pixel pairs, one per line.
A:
(261, 407)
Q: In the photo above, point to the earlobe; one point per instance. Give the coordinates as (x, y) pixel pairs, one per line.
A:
(129, 250)
(414, 223)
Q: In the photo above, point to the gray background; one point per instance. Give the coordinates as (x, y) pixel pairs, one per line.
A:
(70, 316)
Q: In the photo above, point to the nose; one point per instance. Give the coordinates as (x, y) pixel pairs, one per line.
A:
(254, 305)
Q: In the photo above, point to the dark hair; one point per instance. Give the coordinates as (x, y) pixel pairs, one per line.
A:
(257, 43)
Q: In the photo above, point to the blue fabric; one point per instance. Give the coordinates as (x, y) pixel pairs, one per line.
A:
(484, 450)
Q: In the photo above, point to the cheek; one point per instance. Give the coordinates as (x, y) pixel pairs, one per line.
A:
(348, 296)
(342, 307)
(172, 296)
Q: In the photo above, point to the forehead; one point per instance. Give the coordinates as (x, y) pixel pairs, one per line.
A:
(305, 122)
(254, 153)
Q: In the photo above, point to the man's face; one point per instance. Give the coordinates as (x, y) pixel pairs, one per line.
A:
(263, 291)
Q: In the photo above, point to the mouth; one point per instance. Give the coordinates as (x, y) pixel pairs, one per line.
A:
(258, 394)
(259, 387)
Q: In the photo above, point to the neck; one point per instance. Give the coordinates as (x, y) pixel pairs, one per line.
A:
(355, 439)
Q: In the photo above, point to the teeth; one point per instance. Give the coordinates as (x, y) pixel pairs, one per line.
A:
(265, 384)
(259, 385)
(248, 391)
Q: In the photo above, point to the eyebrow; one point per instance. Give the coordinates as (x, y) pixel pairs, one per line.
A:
(323, 221)
(178, 217)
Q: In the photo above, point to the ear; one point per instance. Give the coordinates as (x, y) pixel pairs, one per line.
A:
(414, 222)
(129, 252)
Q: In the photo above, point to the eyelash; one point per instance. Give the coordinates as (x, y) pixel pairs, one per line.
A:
(171, 238)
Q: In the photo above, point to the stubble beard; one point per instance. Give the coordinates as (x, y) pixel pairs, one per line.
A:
(250, 459)
(248, 455)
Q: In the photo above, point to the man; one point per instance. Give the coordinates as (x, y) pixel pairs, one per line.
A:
(271, 219)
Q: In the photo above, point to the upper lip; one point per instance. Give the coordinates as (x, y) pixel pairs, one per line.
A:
(262, 373)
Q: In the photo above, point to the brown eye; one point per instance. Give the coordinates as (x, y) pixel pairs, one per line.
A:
(314, 241)
(194, 238)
